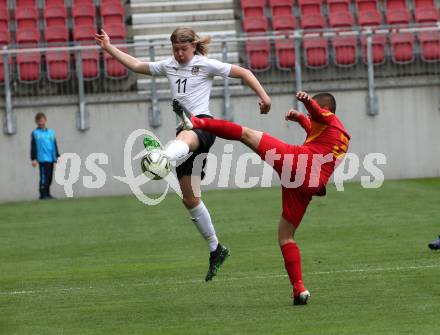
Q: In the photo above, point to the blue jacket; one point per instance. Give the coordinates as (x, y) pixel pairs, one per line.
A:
(44, 148)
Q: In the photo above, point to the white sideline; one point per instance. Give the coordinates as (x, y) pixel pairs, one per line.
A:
(159, 282)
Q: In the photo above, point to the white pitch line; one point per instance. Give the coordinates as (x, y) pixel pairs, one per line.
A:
(194, 281)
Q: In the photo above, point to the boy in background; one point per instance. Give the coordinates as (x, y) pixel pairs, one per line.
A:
(44, 153)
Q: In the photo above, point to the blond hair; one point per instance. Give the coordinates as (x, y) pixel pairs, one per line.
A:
(188, 35)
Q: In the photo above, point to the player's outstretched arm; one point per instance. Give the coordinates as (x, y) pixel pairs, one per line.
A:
(250, 80)
(294, 115)
(132, 63)
(315, 111)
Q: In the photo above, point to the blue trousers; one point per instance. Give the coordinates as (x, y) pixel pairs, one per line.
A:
(46, 173)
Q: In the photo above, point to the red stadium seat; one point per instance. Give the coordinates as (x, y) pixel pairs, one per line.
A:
(25, 3)
(345, 50)
(255, 24)
(55, 15)
(26, 17)
(252, 7)
(424, 3)
(366, 5)
(378, 45)
(429, 45)
(114, 69)
(49, 3)
(312, 21)
(310, 6)
(316, 52)
(28, 37)
(58, 65)
(4, 18)
(112, 13)
(117, 32)
(337, 6)
(28, 64)
(283, 23)
(369, 18)
(90, 58)
(396, 4)
(83, 14)
(281, 7)
(426, 15)
(285, 54)
(398, 16)
(258, 54)
(84, 34)
(56, 34)
(402, 47)
(29, 67)
(5, 37)
(78, 2)
(340, 20)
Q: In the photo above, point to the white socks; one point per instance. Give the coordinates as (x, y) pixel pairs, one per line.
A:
(176, 150)
(201, 218)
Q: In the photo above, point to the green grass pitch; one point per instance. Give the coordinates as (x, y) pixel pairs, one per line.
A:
(116, 266)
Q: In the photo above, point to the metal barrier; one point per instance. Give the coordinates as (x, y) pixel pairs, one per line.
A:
(82, 83)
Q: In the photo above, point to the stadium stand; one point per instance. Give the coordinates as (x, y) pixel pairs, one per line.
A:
(216, 18)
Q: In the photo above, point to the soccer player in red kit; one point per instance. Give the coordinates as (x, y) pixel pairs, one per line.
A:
(311, 164)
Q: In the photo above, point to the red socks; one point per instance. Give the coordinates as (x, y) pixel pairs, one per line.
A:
(221, 128)
(292, 262)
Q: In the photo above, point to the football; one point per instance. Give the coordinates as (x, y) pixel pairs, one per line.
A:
(155, 165)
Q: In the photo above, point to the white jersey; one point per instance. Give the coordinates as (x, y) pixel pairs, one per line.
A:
(191, 83)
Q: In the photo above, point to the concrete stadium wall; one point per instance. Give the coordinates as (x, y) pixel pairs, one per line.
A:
(406, 131)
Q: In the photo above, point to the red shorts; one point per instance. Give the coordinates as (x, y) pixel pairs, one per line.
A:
(296, 196)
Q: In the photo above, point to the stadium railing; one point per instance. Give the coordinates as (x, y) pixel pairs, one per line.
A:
(294, 61)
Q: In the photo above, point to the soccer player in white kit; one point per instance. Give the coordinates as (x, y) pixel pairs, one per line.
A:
(190, 74)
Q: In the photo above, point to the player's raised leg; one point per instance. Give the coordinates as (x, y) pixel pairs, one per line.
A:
(292, 261)
(221, 128)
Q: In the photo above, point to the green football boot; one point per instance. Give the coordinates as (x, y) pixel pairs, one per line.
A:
(151, 143)
(216, 259)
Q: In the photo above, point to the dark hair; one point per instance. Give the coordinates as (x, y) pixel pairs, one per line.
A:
(326, 100)
(40, 116)
(188, 35)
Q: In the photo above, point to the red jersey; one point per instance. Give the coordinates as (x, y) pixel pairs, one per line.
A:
(325, 134)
